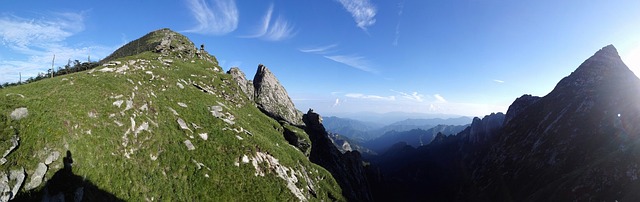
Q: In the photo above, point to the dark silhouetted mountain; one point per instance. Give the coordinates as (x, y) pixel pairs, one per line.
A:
(347, 168)
(578, 143)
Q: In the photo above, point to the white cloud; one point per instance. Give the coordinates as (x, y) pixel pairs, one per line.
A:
(337, 102)
(415, 96)
(273, 30)
(363, 12)
(357, 62)
(20, 34)
(32, 43)
(318, 50)
(439, 98)
(498, 81)
(221, 17)
(370, 97)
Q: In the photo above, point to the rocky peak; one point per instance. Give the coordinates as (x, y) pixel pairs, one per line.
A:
(272, 98)
(605, 65)
(440, 138)
(519, 105)
(246, 86)
(483, 129)
(165, 42)
(583, 123)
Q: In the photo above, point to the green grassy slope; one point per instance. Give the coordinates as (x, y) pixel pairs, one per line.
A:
(119, 124)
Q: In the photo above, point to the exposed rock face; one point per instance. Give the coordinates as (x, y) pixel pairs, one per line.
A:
(246, 86)
(273, 99)
(294, 139)
(15, 141)
(36, 177)
(519, 105)
(483, 129)
(10, 184)
(346, 168)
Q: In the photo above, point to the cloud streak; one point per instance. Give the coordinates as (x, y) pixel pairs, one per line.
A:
(415, 96)
(319, 50)
(357, 62)
(498, 81)
(439, 98)
(370, 97)
(397, 33)
(273, 29)
(221, 17)
(362, 11)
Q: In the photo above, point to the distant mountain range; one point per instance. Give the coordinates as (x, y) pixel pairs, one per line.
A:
(364, 131)
(369, 137)
(391, 117)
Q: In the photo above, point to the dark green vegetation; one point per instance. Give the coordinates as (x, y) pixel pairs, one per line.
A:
(123, 123)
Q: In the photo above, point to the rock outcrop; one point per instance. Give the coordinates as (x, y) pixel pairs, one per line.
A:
(165, 42)
(36, 177)
(483, 129)
(519, 105)
(246, 86)
(273, 99)
(346, 168)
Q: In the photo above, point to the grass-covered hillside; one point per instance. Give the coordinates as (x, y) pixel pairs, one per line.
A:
(161, 123)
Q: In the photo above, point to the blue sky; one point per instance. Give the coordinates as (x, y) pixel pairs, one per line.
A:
(466, 57)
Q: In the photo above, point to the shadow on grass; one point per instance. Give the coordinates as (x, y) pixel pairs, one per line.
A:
(66, 186)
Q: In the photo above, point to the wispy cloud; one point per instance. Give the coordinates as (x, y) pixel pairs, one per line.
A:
(319, 50)
(20, 34)
(273, 29)
(370, 97)
(363, 12)
(397, 33)
(357, 62)
(221, 17)
(439, 98)
(498, 81)
(415, 96)
(31, 44)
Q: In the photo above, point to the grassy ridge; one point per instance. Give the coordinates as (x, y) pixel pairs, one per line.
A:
(76, 112)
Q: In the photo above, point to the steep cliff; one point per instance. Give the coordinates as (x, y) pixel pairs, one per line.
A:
(346, 168)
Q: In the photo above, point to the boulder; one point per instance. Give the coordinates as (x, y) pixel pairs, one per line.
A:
(189, 145)
(36, 177)
(19, 113)
(16, 176)
(53, 156)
